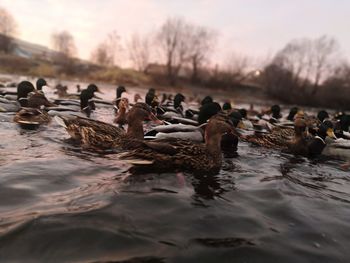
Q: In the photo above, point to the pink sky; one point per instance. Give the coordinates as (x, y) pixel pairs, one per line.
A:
(256, 28)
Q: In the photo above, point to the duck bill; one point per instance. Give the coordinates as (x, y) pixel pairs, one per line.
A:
(99, 91)
(154, 119)
(330, 133)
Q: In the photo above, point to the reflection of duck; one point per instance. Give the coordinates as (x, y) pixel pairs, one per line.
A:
(31, 117)
(165, 155)
(100, 135)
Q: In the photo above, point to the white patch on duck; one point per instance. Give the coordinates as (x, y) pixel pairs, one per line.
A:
(339, 148)
(178, 131)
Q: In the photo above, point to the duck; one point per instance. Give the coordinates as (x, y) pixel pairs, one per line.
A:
(30, 97)
(23, 89)
(183, 155)
(137, 97)
(98, 135)
(40, 83)
(120, 118)
(31, 117)
(319, 142)
(299, 144)
(119, 91)
(207, 110)
(276, 139)
(86, 95)
(151, 97)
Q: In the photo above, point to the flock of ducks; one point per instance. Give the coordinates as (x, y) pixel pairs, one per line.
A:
(177, 137)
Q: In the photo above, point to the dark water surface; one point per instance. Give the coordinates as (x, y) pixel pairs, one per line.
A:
(61, 204)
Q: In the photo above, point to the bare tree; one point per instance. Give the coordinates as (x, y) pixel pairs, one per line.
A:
(139, 51)
(108, 52)
(201, 42)
(63, 42)
(173, 40)
(236, 66)
(7, 30)
(102, 55)
(309, 60)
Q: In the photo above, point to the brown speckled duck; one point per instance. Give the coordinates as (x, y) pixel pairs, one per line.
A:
(98, 135)
(31, 117)
(184, 155)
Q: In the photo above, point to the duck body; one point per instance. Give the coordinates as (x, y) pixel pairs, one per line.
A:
(183, 155)
(339, 148)
(277, 138)
(28, 117)
(176, 131)
(98, 135)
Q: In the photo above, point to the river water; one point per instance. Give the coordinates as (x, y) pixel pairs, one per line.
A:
(61, 204)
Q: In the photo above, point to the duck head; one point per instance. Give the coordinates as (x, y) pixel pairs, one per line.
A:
(178, 99)
(40, 83)
(300, 127)
(137, 97)
(293, 111)
(93, 88)
(120, 90)
(207, 111)
(322, 115)
(227, 106)
(206, 100)
(276, 111)
(139, 113)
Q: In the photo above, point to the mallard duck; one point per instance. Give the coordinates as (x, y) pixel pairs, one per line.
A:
(120, 118)
(23, 89)
(119, 91)
(151, 97)
(184, 155)
(31, 117)
(318, 144)
(86, 95)
(208, 110)
(40, 83)
(99, 135)
(277, 138)
(299, 144)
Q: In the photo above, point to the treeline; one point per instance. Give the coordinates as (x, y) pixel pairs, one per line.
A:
(310, 72)
(305, 71)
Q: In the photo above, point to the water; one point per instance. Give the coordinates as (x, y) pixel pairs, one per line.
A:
(61, 204)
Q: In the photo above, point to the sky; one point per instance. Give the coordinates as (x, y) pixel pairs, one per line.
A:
(256, 28)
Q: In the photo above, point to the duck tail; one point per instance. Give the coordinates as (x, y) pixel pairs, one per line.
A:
(61, 121)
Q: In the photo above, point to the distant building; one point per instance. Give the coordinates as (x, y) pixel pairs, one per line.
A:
(29, 50)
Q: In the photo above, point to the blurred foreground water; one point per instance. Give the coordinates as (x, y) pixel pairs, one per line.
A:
(61, 204)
